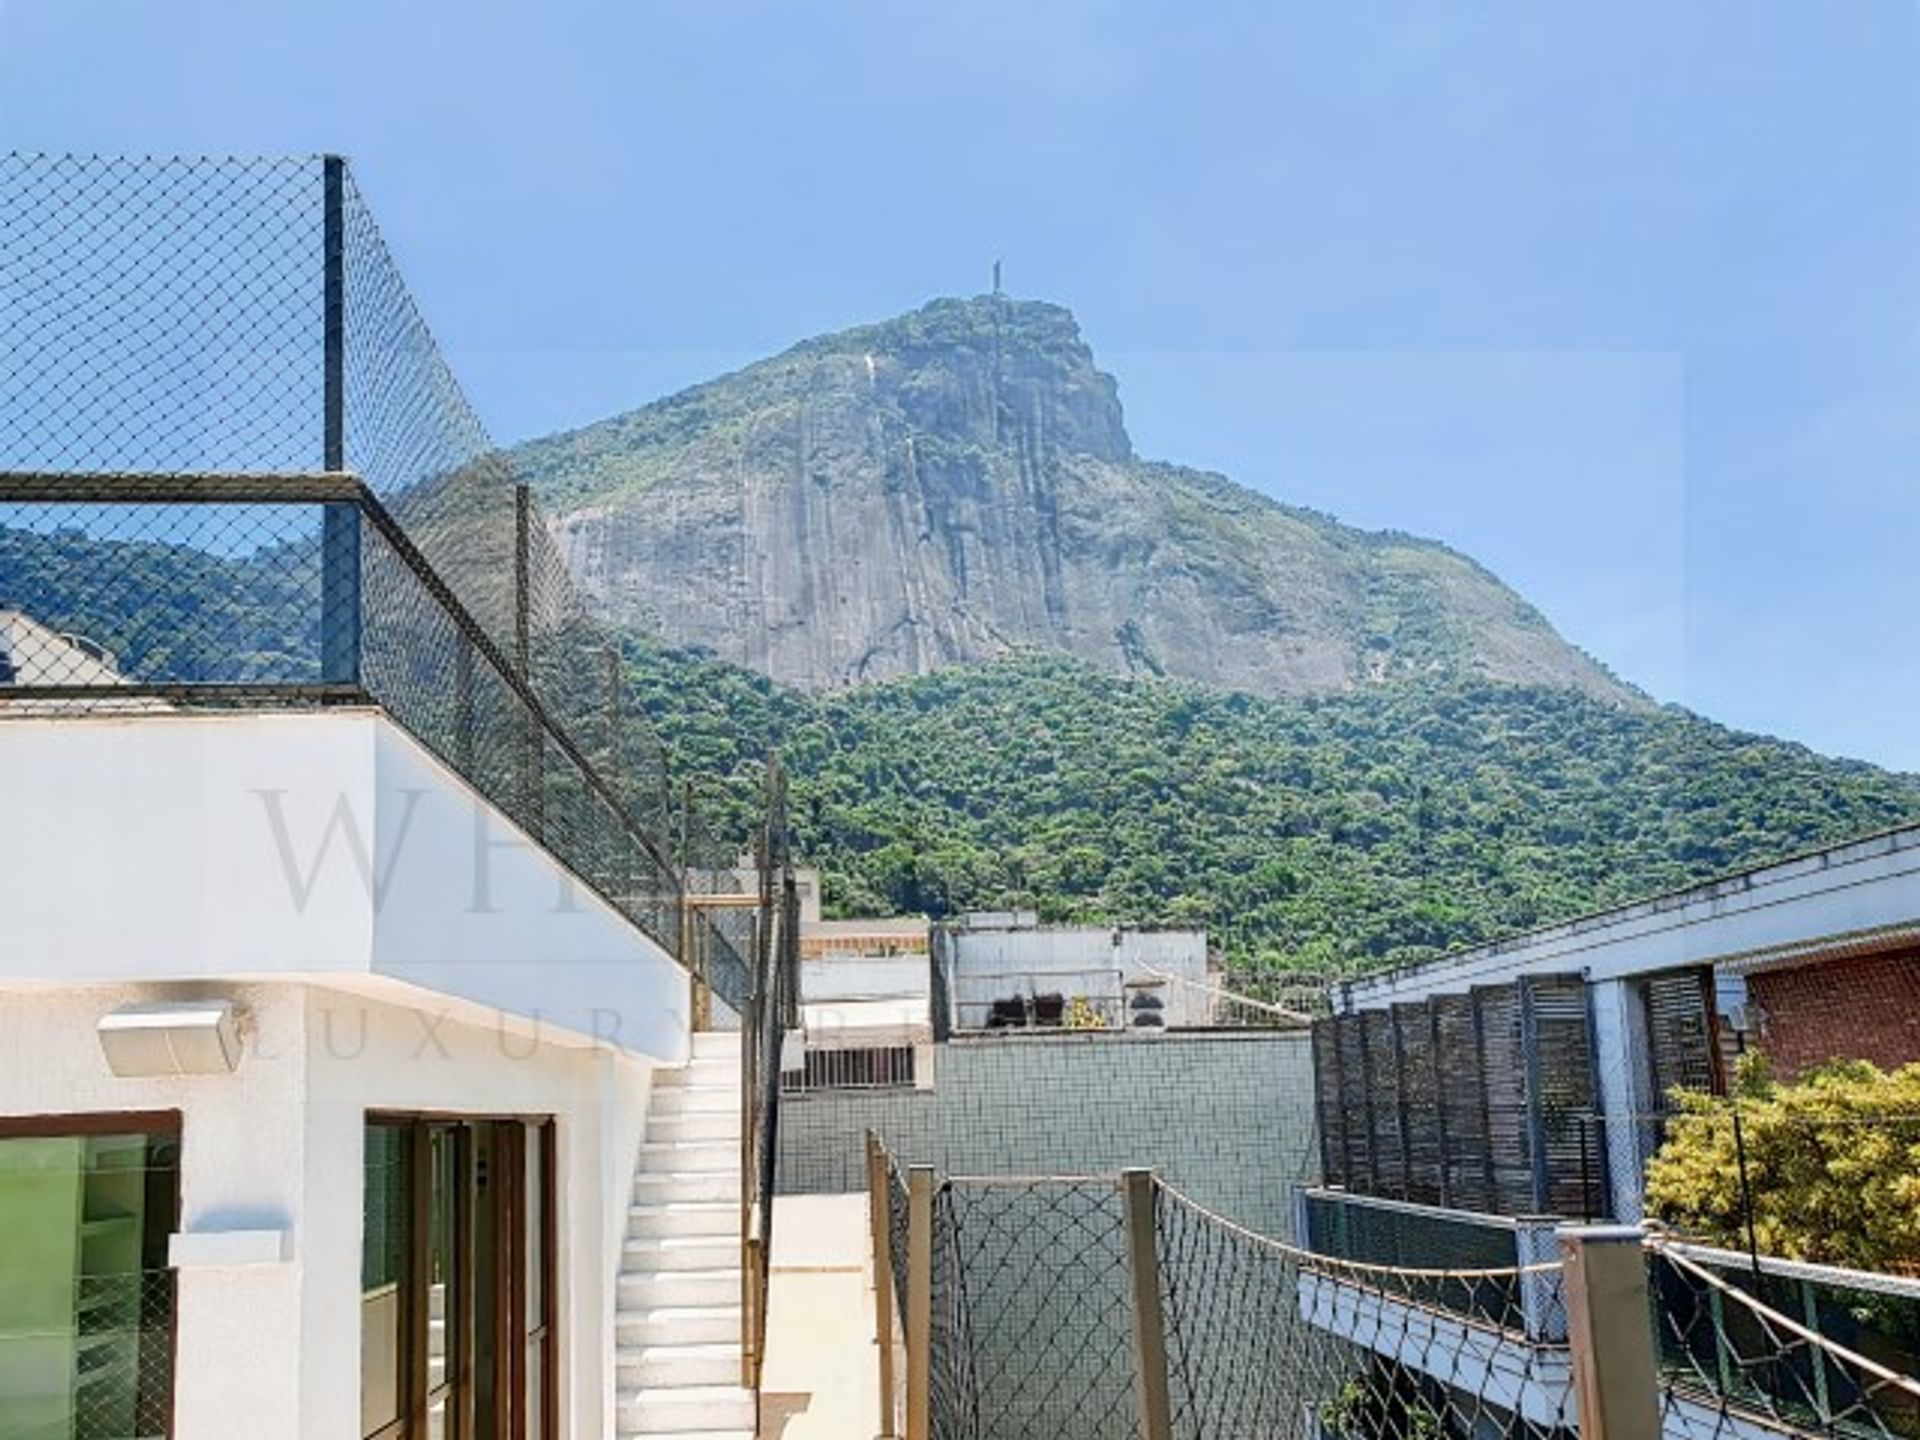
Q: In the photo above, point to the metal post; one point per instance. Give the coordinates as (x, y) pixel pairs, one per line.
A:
(919, 1302)
(532, 783)
(1149, 1322)
(1609, 1326)
(879, 1215)
(333, 312)
(340, 521)
(522, 579)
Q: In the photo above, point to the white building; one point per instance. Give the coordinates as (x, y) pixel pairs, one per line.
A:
(1005, 969)
(347, 1088)
(866, 1005)
(429, 1011)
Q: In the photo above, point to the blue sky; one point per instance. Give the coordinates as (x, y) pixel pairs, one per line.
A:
(1621, 299)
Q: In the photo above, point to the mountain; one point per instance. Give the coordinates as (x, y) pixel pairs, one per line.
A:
(957, 485)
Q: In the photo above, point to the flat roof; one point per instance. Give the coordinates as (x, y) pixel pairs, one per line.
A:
(1861, 893)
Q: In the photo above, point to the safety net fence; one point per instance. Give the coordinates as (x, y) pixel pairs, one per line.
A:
(237, 470)
(1038, 1324)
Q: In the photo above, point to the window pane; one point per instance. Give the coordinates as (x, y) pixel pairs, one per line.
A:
(383, 1259)
(86, 1300)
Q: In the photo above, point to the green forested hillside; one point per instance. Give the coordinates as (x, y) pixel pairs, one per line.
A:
(1331, 833)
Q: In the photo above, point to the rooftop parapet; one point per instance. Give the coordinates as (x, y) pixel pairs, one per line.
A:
(233, 459)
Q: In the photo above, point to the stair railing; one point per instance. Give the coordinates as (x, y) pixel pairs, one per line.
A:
(772, 1010)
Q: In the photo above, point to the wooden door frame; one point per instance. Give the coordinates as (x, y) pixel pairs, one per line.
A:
(508, 1199)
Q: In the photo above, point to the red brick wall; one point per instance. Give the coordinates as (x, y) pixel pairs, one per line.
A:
(1861, 1009)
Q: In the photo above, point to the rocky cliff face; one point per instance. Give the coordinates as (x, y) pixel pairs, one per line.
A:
(958, 483)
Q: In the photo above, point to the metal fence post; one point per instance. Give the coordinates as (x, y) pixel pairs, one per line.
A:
(1149, 1321)
(1611, 1332)
(919, 1302)
(339, 521)
(879, 1215)
(533, 785)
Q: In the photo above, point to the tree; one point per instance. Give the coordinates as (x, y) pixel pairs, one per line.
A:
(1832, 1166)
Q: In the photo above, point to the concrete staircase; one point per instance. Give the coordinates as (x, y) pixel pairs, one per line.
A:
(679, 1303)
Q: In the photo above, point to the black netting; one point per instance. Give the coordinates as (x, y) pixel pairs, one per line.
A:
(1742, 1350)
(1031, 1330)
(1032, 1320)
(1267, 1340)
(235, 468)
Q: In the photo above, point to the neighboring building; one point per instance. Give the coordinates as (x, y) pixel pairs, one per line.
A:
(1012, 1078)
(866, 1005)
(1005, 970)
(1573, 1037)
(1468, 1105)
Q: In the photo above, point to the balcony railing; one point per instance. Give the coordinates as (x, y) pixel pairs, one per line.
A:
(1426, 1238)
(235, 470)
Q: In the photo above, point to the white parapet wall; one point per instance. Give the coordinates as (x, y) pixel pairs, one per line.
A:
(304, 845)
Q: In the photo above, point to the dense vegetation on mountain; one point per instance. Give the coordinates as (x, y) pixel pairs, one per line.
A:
(1323, 833)
(1329, 834)
(172, 612)
(958, 484)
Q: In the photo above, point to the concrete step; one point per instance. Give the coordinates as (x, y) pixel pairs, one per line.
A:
(669, 1187)
(701, 1125)
(679, 1324)
(689, 1100)
(679, 1252)
(706, 1072)
(678, 1289)
(699, 1409)
(690, 1217)
(671, 1366)
(689, 1157)
(711, 1044)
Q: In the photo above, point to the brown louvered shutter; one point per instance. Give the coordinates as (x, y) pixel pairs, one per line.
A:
(1356, 1119)
(1567, 1148)
(1504, 1069)
(1462, 1102)
(1383, 1104)
(1326, 1102)
(1420, 1100)
(1680, 1034)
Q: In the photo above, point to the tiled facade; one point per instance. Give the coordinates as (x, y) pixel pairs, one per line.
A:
(1226, 1117)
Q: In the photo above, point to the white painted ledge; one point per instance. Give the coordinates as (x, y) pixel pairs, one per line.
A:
(210, 1249)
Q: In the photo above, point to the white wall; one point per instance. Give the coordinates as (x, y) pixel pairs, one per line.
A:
(243, 1164)
(365, 1055)
(274, 1349)
(248, 846)
(826, 978)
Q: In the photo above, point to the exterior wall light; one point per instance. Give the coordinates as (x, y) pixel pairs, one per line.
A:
(195, 1037)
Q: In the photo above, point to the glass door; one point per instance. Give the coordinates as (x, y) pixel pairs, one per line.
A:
(457, 1327)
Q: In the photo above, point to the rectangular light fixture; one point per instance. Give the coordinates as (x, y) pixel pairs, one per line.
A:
(194, 1037)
